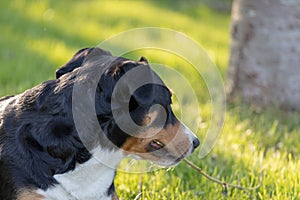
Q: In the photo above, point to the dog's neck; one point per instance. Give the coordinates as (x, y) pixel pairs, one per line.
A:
(90, 180)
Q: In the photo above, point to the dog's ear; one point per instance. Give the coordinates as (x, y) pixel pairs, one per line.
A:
(78, 59)
(143, 96)
(139, 83)
(143, 59)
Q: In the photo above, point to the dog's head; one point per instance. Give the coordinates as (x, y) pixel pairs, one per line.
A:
(133, 108)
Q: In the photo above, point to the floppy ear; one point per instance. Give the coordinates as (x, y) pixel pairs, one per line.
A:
(142, 96)
(143, 59)
(139, 81)
(78, 59)
(145, 94)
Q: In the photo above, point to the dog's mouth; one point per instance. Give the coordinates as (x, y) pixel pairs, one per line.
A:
(165, 157)
(155, 145)
(169, 160)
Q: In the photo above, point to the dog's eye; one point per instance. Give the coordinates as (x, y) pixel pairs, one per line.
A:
(156, 145)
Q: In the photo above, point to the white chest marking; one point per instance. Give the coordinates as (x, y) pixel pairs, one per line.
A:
(89, 181)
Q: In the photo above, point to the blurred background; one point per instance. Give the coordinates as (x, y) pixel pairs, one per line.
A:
(37, 37)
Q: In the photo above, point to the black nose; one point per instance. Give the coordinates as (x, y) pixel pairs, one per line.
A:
(196, 143)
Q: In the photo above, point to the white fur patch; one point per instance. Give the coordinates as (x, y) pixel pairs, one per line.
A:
(191, 136)
(89, 181)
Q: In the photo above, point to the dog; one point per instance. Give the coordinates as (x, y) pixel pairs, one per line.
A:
(45, 154)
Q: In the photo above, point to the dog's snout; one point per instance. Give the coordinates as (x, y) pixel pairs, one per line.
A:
(196, 143)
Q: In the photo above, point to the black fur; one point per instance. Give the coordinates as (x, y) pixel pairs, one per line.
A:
(37, 132)
(78, 59)
(111, 189)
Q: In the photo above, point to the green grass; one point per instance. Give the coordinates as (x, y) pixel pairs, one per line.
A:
(39, 36)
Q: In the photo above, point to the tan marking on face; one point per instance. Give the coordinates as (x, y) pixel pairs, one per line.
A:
(29, 194)
(147, 121)
(149, 118)
(177, 142)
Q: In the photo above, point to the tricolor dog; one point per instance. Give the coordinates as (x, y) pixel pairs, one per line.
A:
(49, 152)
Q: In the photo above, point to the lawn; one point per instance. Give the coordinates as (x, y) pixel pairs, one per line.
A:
(39, 36)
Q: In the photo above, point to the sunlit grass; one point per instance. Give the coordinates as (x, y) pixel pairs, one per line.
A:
(39, 36)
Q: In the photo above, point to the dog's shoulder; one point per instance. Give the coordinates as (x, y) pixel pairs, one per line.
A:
(37, 137)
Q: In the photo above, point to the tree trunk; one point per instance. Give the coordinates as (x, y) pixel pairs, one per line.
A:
(264, 66)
